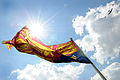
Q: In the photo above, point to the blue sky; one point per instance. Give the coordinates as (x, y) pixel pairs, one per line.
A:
(63, 19)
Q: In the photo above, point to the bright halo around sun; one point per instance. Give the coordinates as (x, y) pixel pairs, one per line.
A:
(37, 29)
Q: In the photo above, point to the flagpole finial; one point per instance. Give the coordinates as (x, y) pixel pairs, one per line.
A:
(71, 39)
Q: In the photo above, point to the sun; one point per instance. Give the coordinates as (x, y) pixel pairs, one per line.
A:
(37, 28)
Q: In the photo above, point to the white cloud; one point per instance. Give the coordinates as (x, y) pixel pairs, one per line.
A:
(49, 71)
(112, 72)
(103, 32)
(79, 26)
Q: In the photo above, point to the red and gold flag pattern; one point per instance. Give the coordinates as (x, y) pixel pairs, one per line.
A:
(24, 42)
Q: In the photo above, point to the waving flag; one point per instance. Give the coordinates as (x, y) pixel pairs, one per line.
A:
(24, 42)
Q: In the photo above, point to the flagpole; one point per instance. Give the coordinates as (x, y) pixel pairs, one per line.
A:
(98, 72)
(93, 65)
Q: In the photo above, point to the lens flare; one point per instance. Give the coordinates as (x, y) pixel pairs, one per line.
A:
(37, 28)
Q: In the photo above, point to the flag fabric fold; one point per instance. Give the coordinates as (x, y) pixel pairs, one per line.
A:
(24, 42)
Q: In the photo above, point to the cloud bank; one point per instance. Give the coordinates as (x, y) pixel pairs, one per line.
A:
(103, 31)
(49, 71)
(111, 72)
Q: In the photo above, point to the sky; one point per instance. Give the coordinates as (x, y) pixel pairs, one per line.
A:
(86, 21)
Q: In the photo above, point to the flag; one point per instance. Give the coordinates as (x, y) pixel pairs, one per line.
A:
(24, 42)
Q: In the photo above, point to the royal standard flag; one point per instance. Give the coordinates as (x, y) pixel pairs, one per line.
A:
(24, 42)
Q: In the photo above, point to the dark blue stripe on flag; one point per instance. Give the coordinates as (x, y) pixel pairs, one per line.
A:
(80, 57)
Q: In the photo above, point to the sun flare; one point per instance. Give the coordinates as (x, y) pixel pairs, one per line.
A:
(37, 29)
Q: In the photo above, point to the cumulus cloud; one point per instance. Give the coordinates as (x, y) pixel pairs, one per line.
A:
(111, 72)
(103, 31)
(49, 71)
